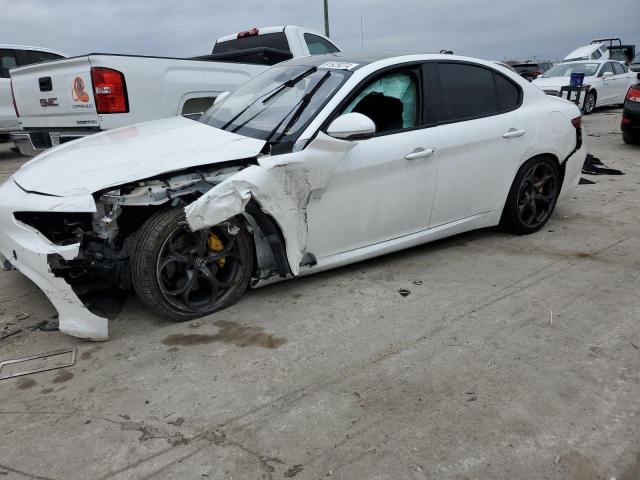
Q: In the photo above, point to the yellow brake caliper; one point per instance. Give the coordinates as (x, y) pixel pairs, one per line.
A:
(215, 245)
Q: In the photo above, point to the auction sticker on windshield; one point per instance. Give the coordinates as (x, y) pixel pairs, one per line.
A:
(339, 65)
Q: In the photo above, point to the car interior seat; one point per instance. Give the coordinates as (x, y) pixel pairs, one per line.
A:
(386, 112)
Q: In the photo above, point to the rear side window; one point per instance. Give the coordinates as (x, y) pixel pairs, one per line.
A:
(618, 69)
(276, 40)
(37, 57)
(7, 61)
(470, 91)
(508, 94)
(318, 45)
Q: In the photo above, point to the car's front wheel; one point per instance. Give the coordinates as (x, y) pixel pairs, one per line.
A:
(589, 103)
(182, 274)
(532, 197)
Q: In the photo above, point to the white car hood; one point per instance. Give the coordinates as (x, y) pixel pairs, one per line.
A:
(131, 153)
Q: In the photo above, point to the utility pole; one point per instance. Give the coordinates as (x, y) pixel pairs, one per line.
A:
(326, 18)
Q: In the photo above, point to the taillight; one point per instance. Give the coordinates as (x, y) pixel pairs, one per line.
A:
(13, 97)
(633, 95)
(576, 122)
(626, 120)
(109, 90)
(249, 33)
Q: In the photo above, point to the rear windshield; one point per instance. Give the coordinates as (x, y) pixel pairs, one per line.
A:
(636, 59)
(276, 40)
(566, 69)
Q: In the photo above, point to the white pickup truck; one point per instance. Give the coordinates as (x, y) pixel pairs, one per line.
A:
(64, 100)
(12, 56)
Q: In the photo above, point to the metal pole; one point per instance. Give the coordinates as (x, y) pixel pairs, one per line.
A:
(326, 18)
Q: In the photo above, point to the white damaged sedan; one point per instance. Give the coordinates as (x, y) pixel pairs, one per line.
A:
(316, 163)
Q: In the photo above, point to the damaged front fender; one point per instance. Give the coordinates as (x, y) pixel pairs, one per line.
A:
(282, 185)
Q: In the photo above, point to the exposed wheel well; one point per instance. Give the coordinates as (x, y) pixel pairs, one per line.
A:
(269, 243)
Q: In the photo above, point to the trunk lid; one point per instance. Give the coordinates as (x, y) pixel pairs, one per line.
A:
(55, 94)
(128, 154)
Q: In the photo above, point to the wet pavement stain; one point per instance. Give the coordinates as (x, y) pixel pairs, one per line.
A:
(230, 332)
(62, 376)
(46, 391)
(87, 354)
(577, 466)
(25, 383)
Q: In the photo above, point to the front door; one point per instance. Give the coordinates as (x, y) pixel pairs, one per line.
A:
(384, 186)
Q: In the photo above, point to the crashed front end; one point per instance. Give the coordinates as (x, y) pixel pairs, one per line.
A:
(77, 249)
(31, 252)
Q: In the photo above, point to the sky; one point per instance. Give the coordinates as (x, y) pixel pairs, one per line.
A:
(498, 29)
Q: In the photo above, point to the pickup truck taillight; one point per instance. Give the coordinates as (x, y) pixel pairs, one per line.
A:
(633, 95)
(13, 97)
(109, 90)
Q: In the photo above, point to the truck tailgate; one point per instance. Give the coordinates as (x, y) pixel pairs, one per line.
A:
(55, 94)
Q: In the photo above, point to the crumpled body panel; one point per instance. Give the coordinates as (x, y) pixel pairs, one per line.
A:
(282, 185)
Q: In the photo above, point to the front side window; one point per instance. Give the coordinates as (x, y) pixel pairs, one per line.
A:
(608, 67)
(37, 57)
(389, 100)
(7, 61)
(318, 45)
(278, 104)
(566, 69)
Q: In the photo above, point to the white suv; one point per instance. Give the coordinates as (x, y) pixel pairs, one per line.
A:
(12, 56)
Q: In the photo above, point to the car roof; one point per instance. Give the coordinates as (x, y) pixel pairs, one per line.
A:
(27, 47)
(358, 58)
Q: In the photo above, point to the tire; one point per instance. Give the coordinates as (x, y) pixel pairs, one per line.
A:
(629, 138)
(178, 274)
(589, 102)
(528, 208)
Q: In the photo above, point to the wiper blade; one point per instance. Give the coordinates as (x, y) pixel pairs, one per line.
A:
(271, 93)
(298, 109)
(290, 83)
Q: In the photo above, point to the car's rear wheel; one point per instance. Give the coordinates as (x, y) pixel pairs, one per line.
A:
(182, 274)
(532, 197)
(589, 103)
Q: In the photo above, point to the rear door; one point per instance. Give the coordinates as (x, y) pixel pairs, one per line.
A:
(485, 134)
(56, 94)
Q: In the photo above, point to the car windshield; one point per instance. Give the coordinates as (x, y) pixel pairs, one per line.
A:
(277, 104)
(566, 69)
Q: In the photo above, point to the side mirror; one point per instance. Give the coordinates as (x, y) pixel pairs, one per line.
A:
(638, 76)
(607, 74)
(351, 125)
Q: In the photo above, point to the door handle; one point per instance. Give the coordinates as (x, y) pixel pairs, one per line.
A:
(514, 133)
(420, 153)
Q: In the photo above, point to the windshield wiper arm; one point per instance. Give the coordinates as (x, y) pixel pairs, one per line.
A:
(271, 93)
(298, 109)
